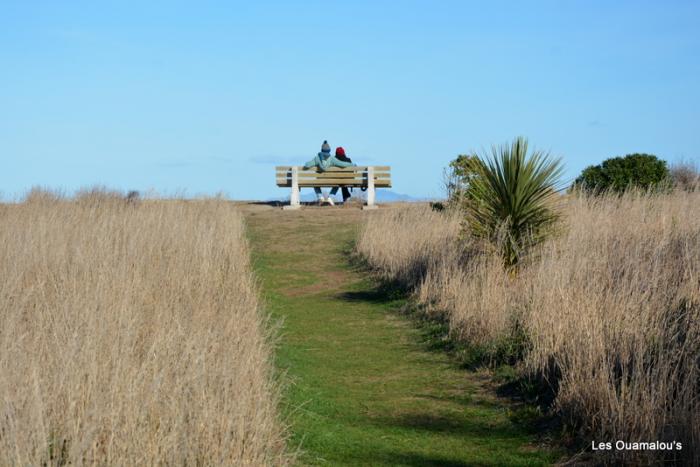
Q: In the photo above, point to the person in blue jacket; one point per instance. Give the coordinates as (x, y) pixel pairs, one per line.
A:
(323, 161)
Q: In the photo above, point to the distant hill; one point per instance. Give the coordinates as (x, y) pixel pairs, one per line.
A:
(388, 196)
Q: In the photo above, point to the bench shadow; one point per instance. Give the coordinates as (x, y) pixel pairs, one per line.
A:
(382, 294)
(267, 203)
(451, 425)
(366, 296)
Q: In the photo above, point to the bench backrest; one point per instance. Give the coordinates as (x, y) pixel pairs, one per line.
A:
(335, 176)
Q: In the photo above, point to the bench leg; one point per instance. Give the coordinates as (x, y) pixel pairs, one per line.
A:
(370, 189)
(294, 196)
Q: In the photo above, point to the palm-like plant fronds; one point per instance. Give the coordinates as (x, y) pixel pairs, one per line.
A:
(511, 197)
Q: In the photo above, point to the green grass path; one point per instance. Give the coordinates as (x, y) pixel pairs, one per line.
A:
(363, 388)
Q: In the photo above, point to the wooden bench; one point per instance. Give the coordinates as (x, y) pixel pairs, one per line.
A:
(370, 177)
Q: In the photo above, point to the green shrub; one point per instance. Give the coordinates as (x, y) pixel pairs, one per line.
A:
(618, 174)
(458, 177)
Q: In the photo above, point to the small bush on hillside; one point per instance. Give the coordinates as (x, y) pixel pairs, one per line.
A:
(39, 194)
(132, 196)
(458, 177)
(685, 175)
(437, 206)
(98, 194)
(618, 174)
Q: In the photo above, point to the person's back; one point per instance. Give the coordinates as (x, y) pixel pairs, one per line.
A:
(321, 159)
(324, 160)
(341, 156)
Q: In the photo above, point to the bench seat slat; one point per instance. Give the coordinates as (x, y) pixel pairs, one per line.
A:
(324, 176)
(378, 184)
(309, 173)
(336, 177)
(313, 173)
(332, 174)
(332, 182)
(362, 168)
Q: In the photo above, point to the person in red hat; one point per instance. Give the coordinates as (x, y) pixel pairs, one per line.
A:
(340, 155)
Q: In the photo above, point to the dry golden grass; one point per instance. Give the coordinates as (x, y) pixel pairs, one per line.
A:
(401, 242)
(132, 335)
(614, 306)
(610, 308)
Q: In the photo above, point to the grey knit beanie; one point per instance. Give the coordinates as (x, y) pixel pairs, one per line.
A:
(325, 148)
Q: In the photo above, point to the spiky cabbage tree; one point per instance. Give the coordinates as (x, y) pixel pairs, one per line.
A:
(512, 197)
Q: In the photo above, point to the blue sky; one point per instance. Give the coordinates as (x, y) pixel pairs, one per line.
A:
(210, 96)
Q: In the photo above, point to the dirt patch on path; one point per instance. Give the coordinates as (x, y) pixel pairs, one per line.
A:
(330, 281)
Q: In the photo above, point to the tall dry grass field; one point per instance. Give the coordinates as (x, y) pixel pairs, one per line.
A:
(609, 308)
(132, 335)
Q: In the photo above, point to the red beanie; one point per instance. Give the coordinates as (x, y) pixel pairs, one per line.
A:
(339, 151)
